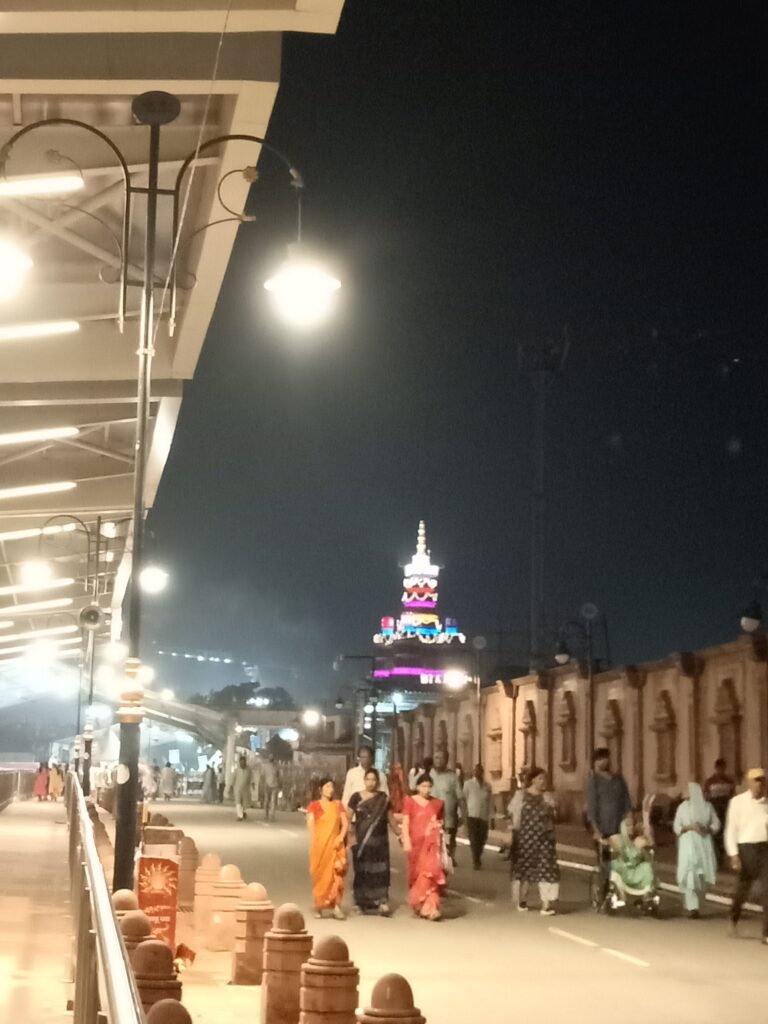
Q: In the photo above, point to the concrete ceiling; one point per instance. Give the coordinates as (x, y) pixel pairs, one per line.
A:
(86, 60)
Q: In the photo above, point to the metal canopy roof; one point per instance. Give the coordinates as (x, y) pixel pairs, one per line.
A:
(86, 60)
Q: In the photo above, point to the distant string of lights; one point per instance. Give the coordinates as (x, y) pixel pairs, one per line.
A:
(214, 659)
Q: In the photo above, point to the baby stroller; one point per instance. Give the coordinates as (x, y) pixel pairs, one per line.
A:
(627, 859)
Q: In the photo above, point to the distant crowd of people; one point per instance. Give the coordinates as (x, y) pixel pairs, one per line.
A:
(49, 782)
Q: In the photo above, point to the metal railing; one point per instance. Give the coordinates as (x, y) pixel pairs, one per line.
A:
(15, 784)
(105, 990)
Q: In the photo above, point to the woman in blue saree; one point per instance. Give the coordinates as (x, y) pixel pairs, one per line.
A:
(372, 818)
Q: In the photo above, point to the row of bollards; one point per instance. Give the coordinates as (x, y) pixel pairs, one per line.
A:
(303, 982)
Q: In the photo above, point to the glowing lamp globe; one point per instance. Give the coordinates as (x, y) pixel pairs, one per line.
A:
(153, 579)
(311, 718)
(455, 679)
(15, 264)
(562, 654)
(752, 617)
(36, 573)
(302, 291)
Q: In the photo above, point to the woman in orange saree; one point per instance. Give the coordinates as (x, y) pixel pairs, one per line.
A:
(422, 836)
(328, 824)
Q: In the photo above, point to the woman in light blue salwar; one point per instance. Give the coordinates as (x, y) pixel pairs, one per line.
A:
(695, 823)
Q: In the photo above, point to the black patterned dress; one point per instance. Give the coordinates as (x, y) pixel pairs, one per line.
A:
(535, 852)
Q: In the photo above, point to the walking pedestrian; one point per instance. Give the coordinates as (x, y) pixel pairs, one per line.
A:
(535, 856)
(168, 781)
(719, 789)
(55, 782)
(608, 804)
(41, 783)
(423, 842)
(209, 785)
(746, 843)
(328, 825)
(221, 781)
(445, 787)
(241, 788)
(355, 780)
(372, 817)
(695, 824)
(478, 798)
(270, 778)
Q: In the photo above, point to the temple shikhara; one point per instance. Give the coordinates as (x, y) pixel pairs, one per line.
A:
(417, 649)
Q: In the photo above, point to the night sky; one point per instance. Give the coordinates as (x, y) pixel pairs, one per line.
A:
(485, 175)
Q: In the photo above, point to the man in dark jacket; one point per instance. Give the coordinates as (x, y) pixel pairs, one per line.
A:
(608, 804)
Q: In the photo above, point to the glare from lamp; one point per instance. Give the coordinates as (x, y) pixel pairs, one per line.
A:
(302, 291)
(153, 579)
(115, 651)
(750, 624)
(36, 575)
(167, 694)
(311, 718)
(31, 490)
(145, 674)
(455, 679)
(15, 264)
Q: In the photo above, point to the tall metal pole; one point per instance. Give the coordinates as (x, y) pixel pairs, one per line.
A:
(591, 697)
(153, 109)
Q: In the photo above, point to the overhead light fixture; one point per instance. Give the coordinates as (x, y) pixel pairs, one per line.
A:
(5, 624)
(26, 588)
(15, 264)
(44, 329)
(36, 606)
(31, 436)
(44, 531)
(30, 490)
(34, 634)
(42, 184)
(303, 293)
(54, 643)
(153, 579)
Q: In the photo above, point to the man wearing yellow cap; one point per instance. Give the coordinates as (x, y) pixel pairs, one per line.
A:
(746, 843)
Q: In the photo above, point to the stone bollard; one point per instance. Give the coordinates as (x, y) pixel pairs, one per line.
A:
(287, 946)
(187, 869)
(162, 835)
(205, 876)
(252, 922)
(123, 901)
(328, 993)
(391, 1003)
(160, 820)
(168, 1011)
(136, 928)
(155, 976)
(227, 890)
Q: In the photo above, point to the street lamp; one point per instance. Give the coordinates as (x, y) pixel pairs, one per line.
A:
(752, 616)
(153, 579)
(311, 718)
(583, 632)
(154, 110)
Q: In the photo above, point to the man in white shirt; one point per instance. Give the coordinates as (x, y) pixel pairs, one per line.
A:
(355, 780)
(746, 843)
(478, 800)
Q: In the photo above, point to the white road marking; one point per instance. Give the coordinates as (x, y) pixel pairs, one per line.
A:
(573, 938)
(287, 832)
(463, 895)
(625, 956)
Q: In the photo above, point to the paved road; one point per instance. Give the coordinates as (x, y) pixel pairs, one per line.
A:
(576, 967)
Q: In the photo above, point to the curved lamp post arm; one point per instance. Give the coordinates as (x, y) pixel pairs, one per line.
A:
(5, 154)
(79, 522)
(297, 181)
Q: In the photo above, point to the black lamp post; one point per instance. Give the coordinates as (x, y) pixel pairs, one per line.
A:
(583, 631)
(153, 109)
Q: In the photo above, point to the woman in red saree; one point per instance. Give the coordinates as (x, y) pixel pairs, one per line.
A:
(328, 824)
(422, 838)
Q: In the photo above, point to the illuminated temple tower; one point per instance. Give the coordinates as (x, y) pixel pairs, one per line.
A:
(416, 649)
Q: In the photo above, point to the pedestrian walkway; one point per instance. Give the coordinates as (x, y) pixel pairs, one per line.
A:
(35, 937)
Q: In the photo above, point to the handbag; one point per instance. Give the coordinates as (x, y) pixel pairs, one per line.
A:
(445, 860)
